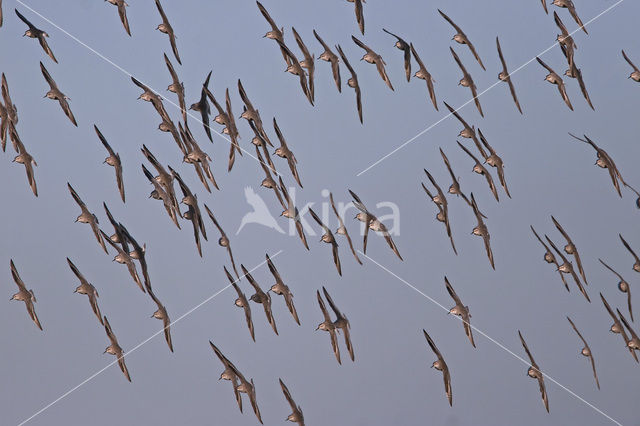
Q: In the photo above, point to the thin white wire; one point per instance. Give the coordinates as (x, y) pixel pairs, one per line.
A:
(500, 345)
(481, 93)
(124, 71)
(132, 350)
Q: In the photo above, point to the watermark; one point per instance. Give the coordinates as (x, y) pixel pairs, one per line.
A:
(387, 212)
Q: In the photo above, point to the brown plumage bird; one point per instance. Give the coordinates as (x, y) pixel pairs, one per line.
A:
(24, 295)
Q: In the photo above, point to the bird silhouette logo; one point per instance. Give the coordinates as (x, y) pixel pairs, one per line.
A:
(260, 214)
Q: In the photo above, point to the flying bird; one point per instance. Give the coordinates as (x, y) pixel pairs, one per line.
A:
(535, 373)
(549, 257)
(506, 77)
(481, 230)
(34, 32)
(467, 81)
(606, 162)
(342, 229)
(124, 258)
(373, 58)
(137, 253)
(461, 310)
(454, 188)
(331, 57)
(281, 289)
(406, 50)
(570, 248)
(634, 342)
(623, 286)
(494, 160)
(261, 297)
(329, 238)
(618, 328)
(576, 73)
(443, 207)
(88, 289)
(296, 416)
(566, 267)
(352, 82)
(195, 156)
(24, 295)
(635, 74)
(230, 373)
(636, 264)
(242, 302)
(163, 186)
(359, 13)
(441, 365)
(283, 151)
(307, 63)
(328, 326)
(275, 33)
(341, 324)
(55, 94)
(25, 159)
(554, 78)
(291, 212)
(568, 4)
(373, 223)
(113, 160)
(115, 349)
(193, 213)
(165, 27)
(295, 67)
(87, 217)
(176, 87)
(161, 314)
(223, 241)
(423, 74)
(461, 37)
(122, 12)
(586, 351)
(203, 107)
(480, 169)
(467, 132)
(12, 110)
(251, 114)
(149, 95)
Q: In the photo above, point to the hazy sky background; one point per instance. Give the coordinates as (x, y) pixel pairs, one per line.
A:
(390, 381)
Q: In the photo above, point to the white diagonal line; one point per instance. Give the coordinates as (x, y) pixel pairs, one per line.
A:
(132, 350)
(500, 345)
(124, 71)
(481, 93)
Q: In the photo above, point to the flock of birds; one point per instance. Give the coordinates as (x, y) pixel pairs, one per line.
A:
(129, 252)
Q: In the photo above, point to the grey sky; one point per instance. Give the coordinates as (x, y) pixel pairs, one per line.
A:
(390, 381)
